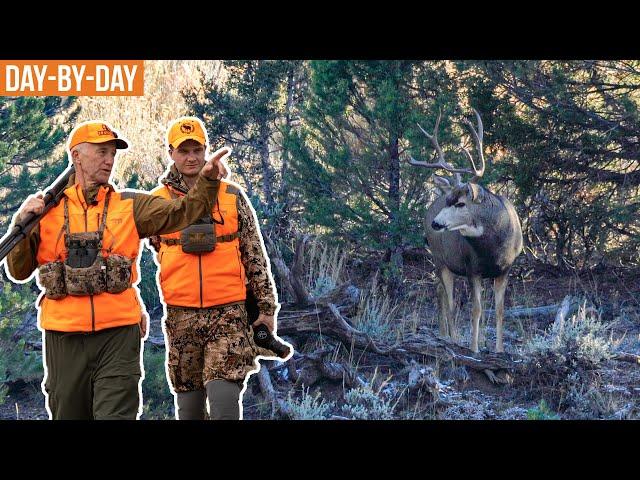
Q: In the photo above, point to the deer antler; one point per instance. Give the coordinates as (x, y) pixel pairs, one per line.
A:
(441, 163)
(478, 137)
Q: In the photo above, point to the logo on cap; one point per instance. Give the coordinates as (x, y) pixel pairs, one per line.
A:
(186, 128)
(105, 130)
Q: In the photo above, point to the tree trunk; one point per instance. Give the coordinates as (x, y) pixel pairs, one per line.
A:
(284, 188)
(267, 175)
(283, 221)
(395, 247)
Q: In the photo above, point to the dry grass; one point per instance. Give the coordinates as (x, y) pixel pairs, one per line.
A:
(377, 314)
(325, 268)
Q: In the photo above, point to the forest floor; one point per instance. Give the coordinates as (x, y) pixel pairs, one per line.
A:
(559, 383)
(378, 386)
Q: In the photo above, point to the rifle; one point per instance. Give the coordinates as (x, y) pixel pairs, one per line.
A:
(261, 334)
(22, 228)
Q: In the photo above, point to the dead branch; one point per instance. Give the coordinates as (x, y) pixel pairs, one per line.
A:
(627, 357)
(269, 393)
(542, 311)
(425, 342)
(523, 312)
(284, 274)
(297, 274)
(318, 367)
(293, 279)
(558, 324)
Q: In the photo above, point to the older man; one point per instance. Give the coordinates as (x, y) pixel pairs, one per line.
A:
(203, 272)
(86, 250)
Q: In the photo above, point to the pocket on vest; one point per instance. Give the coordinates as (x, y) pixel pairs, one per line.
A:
(86, 281)
(51, 277)
(118, 273)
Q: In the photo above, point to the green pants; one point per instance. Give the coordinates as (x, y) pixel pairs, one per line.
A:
(93, 376)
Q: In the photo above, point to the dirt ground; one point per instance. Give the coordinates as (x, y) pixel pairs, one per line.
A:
(24, 402)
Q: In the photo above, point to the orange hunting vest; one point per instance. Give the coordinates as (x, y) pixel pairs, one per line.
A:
(207, 279)
(91, 312)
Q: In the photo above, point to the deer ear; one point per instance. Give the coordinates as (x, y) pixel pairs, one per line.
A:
(475, 192)
(442, 183)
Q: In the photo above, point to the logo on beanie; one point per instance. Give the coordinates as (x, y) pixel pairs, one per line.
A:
(186, 128)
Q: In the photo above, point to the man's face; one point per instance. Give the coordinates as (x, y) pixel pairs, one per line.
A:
(96, 160)
(188, 157)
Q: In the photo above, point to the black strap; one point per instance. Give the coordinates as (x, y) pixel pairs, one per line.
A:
(100, 228)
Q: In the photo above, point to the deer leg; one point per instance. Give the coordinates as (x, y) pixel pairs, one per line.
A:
(447, 281)
(499, 288)
(443, 308)
(476, 310)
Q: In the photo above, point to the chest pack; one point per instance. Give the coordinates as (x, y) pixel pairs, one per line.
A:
(86, 270)
(199, 237)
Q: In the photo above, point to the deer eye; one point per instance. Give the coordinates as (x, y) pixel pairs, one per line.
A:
(459, 205)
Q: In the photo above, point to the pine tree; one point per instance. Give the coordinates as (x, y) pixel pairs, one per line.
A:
(251, 112)
(567, 134)
(28, 137)
(350, 157)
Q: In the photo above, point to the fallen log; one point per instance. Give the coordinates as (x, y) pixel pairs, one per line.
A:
(627, 357)
(569, 305)
(328, 321)
(425, 342)
(526, 312)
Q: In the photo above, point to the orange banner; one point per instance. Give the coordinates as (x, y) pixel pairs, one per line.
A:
(71, 77)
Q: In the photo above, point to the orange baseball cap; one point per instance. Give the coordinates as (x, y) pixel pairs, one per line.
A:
(95, 132)
(186, 129)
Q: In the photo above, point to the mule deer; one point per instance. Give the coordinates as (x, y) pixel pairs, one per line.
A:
(471, 232)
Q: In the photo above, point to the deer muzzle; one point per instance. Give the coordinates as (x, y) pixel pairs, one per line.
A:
(437, 226)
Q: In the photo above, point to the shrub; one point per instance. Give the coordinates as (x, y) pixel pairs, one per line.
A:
(377, 313)
(368, 403)
(542, 412)
(17, 362)
(563, 366)
(582, 332)
(308, 407)
(325, 268)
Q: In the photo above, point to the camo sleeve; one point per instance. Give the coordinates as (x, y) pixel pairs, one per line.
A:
(155, 215)
(254, 259)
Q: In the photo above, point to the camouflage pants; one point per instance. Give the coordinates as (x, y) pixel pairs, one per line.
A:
(209, 343)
